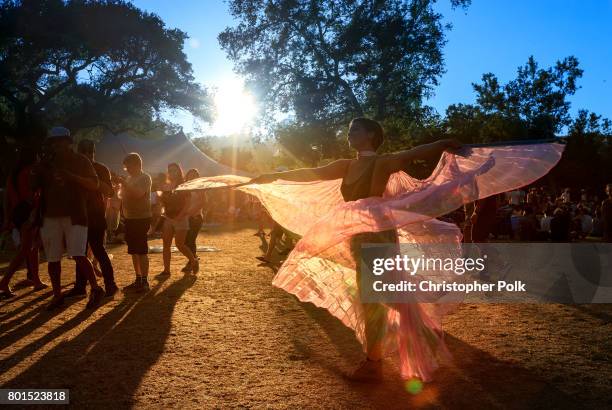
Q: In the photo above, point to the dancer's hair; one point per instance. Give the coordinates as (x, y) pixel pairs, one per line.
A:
(373, 127)
(181, 175)
(193, 173)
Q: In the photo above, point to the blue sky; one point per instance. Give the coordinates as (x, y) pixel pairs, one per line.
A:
(490, 36)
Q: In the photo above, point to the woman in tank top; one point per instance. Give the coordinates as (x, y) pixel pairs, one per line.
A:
(364, 177)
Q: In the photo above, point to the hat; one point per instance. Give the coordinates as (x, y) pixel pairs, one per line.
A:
(59, 132)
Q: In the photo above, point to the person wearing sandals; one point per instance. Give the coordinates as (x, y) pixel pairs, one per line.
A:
(176, 223)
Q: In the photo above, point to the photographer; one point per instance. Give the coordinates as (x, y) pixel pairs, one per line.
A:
(64, 178)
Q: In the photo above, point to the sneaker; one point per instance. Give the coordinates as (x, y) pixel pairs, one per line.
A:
(368, 371)
(163, 274)
(134, 286)
(95, 298)
(144, 285)
(186, 268)
(56, 303)
(109, 291)
(75, 293)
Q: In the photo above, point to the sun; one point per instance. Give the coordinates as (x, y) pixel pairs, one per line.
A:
(235, 107)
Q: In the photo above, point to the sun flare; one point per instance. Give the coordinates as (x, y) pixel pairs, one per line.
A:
(235, 107)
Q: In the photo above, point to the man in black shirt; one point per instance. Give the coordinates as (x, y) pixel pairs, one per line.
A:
(96, 223)
(64, 178)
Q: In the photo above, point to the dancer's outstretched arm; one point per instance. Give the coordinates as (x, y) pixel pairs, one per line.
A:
(334, 170)
(397, 161)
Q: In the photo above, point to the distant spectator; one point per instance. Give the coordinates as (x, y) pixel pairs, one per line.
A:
(527, 225)
(559, 226)
(606, 215)
(516, 197)
(566, 196)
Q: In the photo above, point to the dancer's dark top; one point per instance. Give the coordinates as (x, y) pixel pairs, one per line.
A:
(362, 187)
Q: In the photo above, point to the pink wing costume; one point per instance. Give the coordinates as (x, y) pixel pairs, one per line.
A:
(321, 269)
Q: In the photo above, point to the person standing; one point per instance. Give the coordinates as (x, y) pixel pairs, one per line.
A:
(606, 215)
(196, 220)
(96, 223)
(64, 178)
(176, 220)
(136, 206)
(20, 207)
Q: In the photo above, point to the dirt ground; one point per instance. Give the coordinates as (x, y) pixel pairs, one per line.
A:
(227, 338)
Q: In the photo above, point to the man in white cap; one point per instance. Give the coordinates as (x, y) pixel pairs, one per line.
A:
(65, 177)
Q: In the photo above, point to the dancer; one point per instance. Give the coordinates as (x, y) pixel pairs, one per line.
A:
(176, 223)
(136, 206)
(64, 178)
(20, 208)
(321, 269)
(363, 177)
(96, 224)
(196, 219)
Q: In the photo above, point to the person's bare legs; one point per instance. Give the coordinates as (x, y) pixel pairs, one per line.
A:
(136, 263)
(167, 234)
(179, 240)
(21, 256)
(143, 262)
(84, 265)
(55, 274)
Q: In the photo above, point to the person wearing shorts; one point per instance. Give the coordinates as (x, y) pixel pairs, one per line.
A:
(64, 178)
(136, 207)
(176, 223)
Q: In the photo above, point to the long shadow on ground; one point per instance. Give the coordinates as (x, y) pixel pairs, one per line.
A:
(131, 337)
(473, 380)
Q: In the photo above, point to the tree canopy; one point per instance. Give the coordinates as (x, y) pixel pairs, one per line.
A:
(328, 61)
(91, 63)
(533, 105)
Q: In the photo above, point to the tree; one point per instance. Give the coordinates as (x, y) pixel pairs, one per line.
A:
(90, 63)
(588, 153)
(325, 62)
(533, 105)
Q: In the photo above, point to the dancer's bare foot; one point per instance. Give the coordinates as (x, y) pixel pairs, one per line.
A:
(368, 371)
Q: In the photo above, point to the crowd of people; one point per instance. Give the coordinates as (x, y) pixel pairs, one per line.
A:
(539, 214)
(66, 202)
